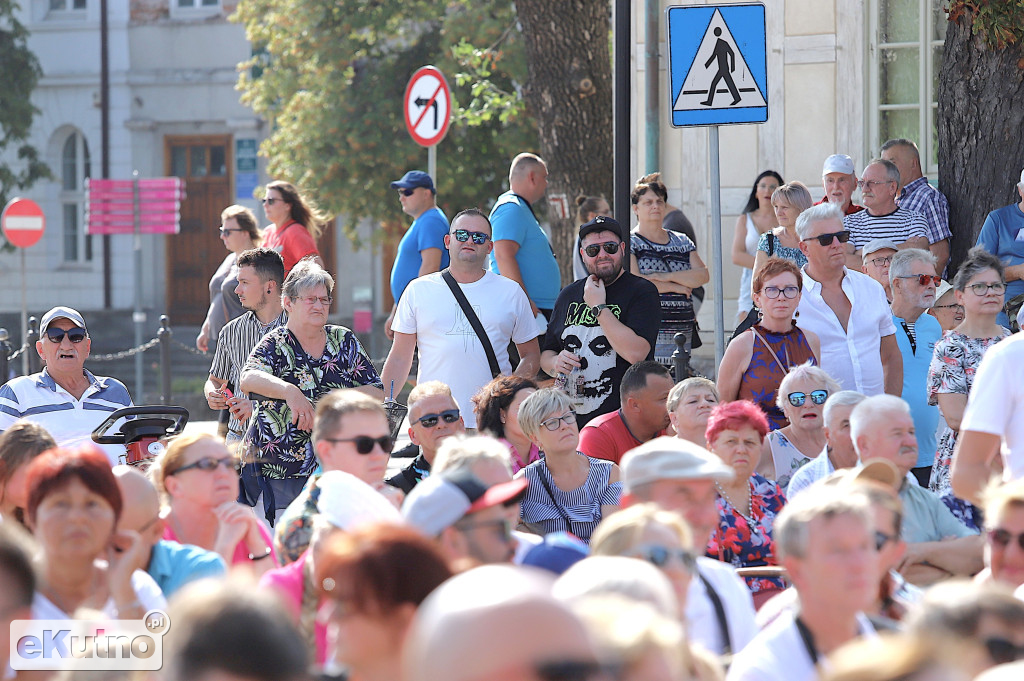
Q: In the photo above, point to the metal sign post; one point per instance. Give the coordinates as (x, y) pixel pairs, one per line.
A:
(428, 112)
(23, 224)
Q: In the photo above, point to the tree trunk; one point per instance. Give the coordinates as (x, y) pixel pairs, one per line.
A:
(569, 92)
(980, 130)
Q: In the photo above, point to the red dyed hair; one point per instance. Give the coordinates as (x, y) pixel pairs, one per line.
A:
(736, 415)
(55, 468)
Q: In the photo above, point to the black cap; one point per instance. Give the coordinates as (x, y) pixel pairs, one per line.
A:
(600, 224)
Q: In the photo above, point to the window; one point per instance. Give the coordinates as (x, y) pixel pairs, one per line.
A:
(198, 3)
(905, 56)
(75, 168)
(66, 5)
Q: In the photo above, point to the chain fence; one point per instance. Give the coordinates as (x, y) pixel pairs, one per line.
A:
(123, 354)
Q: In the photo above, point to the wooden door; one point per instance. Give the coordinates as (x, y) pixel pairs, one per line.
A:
(194, 254)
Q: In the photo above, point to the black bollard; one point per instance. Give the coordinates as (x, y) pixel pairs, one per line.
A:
(5, 352)
(164, 334)
(33, 361)
(680, 358)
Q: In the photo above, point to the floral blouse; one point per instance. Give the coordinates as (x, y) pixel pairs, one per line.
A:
(741, 545)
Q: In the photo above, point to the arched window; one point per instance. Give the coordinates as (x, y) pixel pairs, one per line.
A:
(75, 168)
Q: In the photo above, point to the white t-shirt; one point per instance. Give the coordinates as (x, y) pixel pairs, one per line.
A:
(449, 348)
(145, 588)
(996, 402)
(852, 357)
(702, 625)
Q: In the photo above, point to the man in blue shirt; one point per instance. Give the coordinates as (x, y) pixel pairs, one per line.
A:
(1002, 235)
(422, 250)
(522, 251)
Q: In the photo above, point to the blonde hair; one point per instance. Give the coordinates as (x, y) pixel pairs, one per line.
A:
(539, 405)
(172, 458)
(675, 396)
(999, 497)
(619, 533)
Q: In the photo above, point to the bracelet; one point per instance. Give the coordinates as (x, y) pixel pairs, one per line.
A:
(255, 558)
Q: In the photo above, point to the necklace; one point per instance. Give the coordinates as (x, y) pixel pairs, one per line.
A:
(749, 515)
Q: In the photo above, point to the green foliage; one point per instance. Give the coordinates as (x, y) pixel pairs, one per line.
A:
(999, 22)
(329, 77)
(21, 72)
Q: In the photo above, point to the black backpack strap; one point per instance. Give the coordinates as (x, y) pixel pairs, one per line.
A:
(473, 320)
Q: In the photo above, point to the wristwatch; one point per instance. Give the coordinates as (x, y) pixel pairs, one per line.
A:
(597, 309)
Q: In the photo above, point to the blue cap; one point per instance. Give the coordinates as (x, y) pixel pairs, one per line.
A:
(413, 179)
(557, 552)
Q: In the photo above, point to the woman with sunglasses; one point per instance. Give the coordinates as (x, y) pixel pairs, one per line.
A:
(789, 201)
(297, 224)
(759, 358)
(568, 491)
(289, 370)
(979, 286)
(198, 479)
(801, 397)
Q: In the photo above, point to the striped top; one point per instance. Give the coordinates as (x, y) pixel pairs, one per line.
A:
(236, 340)
(677, 313)
(582, 505)
(898, 226)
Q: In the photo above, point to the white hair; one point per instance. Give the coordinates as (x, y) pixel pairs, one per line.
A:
(872, 410)
(902, 261)
(807, 371)
(843, 398)
(819, 213)
(463, 452)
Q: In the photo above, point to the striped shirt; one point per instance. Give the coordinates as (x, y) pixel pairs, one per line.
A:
(898, 226)
(40, 399)
(235, 342)
(920, 197)
(582, 505)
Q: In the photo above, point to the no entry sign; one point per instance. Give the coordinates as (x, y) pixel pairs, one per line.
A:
(23, 222)
(428, 106)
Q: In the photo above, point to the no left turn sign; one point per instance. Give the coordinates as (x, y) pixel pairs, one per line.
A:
(428, 106)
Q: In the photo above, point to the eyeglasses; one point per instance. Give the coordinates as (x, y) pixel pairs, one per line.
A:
(871, 183)
(555, 422)
(981, 289)
(881, 539)
(1002, 538)
(208, 463)
(407, 192)
(75, 334)
(364, 443)
(923, 279)
(817, 397)
(789, 292)
(1002, 650)
(826, 239)
(660, 556)
(464, 235)
(610, 247)
(954, 306)
(270, 200)
(504, 526)
(313, 300)
(430, 420)
(574, 670)
(881, 262)
(227, 232)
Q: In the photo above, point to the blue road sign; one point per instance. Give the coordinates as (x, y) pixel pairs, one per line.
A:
(718, 73)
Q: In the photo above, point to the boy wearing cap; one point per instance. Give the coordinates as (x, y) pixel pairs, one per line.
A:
(64, 398)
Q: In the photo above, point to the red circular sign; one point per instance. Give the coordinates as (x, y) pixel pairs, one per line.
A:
(23, 222)
(428, 106)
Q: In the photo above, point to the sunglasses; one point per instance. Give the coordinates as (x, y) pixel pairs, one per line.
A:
(504, 526)
(270, 201)
(573, 670)
(826, 239)
(227, 232)
(923, 279)
(430, 420)
(881, 539)
(660, 556)
(464, 235)
(364, 443)
(981, 289)
(1002, 650)
(610, 247)
(407, 192)
(817, 397)
(1002, 538)
(208, 463)
(555, 422)
(773, 292)
(75, 334)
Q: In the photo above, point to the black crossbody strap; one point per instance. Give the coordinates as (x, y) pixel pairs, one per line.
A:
(473, 320)
(723, 623)
(558, 507)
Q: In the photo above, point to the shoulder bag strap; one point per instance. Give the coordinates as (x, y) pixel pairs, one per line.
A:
(785, 369)
(473, 320)
(561, 511)
(771, 243)
(723, 623)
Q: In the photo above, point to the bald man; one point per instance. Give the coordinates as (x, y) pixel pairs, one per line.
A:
(170, 564)
(496, 623)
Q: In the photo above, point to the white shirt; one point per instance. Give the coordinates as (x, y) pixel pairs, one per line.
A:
(145, 588)
(852, 357)
(702, 625)
(996, 402)
(811, 472)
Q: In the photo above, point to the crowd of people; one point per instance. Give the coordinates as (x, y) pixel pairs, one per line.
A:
(845, 501)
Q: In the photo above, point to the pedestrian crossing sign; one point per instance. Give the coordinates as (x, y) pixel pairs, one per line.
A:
(717, 58)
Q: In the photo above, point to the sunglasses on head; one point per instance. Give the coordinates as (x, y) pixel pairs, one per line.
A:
(430, 420)
(610, 247)
(364, 443)
(817, 397)
(208, 463)
(464, 235)
(74, 334)
(826, 239)
(923, 279)
(1002, 538)
(407, 192)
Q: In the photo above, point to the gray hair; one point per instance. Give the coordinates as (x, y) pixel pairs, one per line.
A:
(902, 142)
(843, 398)
(792, 527)
(903, 260)
(539, 406)
(819, 213)
(304, 276)
(872, 410)
(675, 396)
(523, 164)
(809, 372)
(461, 453)
(796, 194)
(978, 260)
(892, 171)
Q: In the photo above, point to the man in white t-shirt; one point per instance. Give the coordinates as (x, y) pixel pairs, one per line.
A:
(430, 318)
(993, 421)
(826, 542)
(680, 476)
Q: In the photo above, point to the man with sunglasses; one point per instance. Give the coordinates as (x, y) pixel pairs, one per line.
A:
(434, 416)
(847, 309)
(64, 397)
(914, 283)
(882, 217)
(421, 250)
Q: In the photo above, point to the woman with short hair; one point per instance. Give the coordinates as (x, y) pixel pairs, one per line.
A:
(689, 405)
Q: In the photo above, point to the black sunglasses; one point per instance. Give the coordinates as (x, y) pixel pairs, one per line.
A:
(364, 443)
(826, 239)
(74, 334)
(407, 192)
(610, 247)
(573, 670)
(208, 463)
(464, 235)
(1001, 537)
(1002, 650)
(817, 397)
(660, 556)
(430, 420)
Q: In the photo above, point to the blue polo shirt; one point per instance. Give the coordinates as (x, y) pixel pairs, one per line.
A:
(426, 231)
(915, 381)
(512, 219)
(173, 565)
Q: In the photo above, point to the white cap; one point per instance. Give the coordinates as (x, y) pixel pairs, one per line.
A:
(838, 163)
(346, 502)
(671, 458)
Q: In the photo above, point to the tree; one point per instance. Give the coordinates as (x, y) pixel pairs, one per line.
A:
(980, 113)
(21, 72)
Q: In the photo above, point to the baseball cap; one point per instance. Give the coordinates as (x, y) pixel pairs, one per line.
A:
(600, 223)
(1022, 177)
(346, 502)
(942, 289)
(671, 458)
(876, 245)
(875, 470)
(61, 312)
(441, 500)
(413, 179)
(556, 552)
(838, 163)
